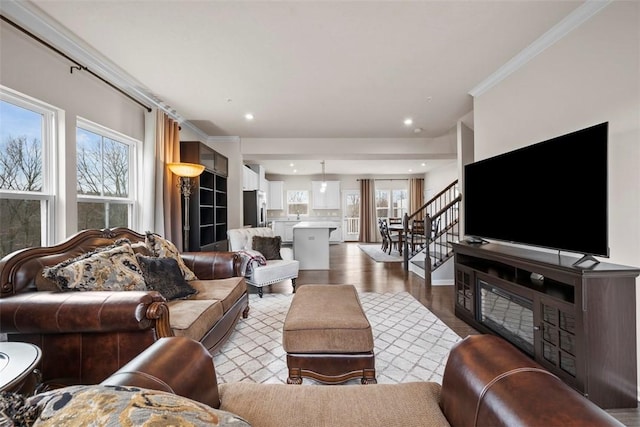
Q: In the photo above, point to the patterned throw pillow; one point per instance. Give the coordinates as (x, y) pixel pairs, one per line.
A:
(109, 268)
(161, 247)
(121, 405)
(267, 246)
(164, 275)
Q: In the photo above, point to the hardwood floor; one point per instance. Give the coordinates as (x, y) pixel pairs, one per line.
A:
(352, 266)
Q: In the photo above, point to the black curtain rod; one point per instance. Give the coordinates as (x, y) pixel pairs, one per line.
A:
(384, 179)
(77, 65)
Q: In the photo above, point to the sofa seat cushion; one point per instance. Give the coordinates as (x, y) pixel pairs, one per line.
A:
(120, 405)
(228, 291)
(194, 318)
(326, 319)
(281, 405)
(275, 271)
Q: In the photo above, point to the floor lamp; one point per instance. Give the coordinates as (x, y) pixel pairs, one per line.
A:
(186, 171)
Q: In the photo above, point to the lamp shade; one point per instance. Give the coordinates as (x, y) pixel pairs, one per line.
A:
(188, 170)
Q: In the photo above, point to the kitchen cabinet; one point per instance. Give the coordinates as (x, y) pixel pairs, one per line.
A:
(249, 179)
(275, 195)
(328, 199)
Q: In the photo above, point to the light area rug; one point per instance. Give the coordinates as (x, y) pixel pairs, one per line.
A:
(379, 255)
(411, 343)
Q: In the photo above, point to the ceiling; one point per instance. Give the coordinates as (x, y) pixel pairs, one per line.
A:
(312, 69)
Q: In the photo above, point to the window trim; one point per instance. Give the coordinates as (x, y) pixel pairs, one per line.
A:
(50, 139)
(134, 147)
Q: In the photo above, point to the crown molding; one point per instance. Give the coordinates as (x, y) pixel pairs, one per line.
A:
(223, 139)
(570, 22)
(30, 17)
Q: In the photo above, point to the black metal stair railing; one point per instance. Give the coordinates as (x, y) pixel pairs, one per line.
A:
(441, 218)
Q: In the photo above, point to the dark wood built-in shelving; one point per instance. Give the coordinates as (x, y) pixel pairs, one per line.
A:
(577, 321)
(208, 203)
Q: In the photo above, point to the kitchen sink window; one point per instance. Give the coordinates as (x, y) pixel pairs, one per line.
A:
(298, 202)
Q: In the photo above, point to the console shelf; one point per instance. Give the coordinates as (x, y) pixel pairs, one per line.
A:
(577, 321)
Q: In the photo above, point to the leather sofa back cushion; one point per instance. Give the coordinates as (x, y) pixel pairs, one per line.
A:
(120, 405)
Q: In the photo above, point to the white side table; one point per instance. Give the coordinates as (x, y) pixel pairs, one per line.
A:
(18, 361)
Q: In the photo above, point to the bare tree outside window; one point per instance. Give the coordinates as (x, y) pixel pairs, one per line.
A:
(103, 172)
(21, 173)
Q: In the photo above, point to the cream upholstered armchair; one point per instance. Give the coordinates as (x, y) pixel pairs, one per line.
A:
(261, 265)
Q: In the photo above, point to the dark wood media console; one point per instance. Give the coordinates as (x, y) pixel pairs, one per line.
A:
(577, 321)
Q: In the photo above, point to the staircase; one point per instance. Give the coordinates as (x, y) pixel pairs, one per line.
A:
(442, 226)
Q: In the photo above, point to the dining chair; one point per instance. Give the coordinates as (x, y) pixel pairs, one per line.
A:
(417, 236)
(392, 239)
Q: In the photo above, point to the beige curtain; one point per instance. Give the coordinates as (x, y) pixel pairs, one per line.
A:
(368, 222)
(168, 140)
(416, 196)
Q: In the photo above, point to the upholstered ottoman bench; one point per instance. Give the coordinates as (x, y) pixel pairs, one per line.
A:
(327, 336)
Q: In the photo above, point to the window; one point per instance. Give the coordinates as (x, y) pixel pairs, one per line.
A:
(298, 202)
(105, 167)
(26, 188)
(392, 203)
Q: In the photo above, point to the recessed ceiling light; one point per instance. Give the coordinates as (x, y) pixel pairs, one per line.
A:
(408, 121)
(295, 170)
(410, 170)
(290, 164)
(423, 164)
(248, 116)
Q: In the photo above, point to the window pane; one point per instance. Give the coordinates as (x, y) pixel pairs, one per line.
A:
(118, 215)
(103, 165)
(116, 168)
(93, 215)
(382, 203)
(20, 148)
(400, 203)
(21, 225)
(89, 154)
(298, 202)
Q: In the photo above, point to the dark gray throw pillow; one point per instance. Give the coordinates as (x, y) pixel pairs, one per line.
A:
(164, 275)
(267, 246)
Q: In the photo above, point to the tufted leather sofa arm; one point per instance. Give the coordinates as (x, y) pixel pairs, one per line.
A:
(84, 312)
(176, 365)
(488, 382)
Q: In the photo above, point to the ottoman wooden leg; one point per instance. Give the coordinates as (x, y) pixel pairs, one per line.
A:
(295, 376)
(369, 377)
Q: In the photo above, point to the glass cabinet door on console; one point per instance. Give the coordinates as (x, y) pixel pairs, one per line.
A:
(556, 343)
(464, 292)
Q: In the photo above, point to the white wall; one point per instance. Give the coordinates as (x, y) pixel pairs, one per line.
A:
(590, 76)
(32, 69)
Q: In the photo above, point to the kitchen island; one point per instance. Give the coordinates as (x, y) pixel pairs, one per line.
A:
(311, 244)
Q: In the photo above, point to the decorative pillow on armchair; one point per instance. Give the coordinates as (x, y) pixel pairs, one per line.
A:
(105, 405)
(267, 246)
(164, 275)
(161, 247)
(109, 268)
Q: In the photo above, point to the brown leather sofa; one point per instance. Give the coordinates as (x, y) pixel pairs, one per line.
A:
(85, 336)
(486, 382)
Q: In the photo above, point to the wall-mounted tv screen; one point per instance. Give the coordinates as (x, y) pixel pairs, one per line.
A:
(552, 194)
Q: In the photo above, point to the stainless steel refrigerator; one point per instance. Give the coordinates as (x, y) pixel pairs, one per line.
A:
(255, 208)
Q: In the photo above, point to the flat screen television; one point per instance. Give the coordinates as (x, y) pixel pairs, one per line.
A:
(552, 194)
